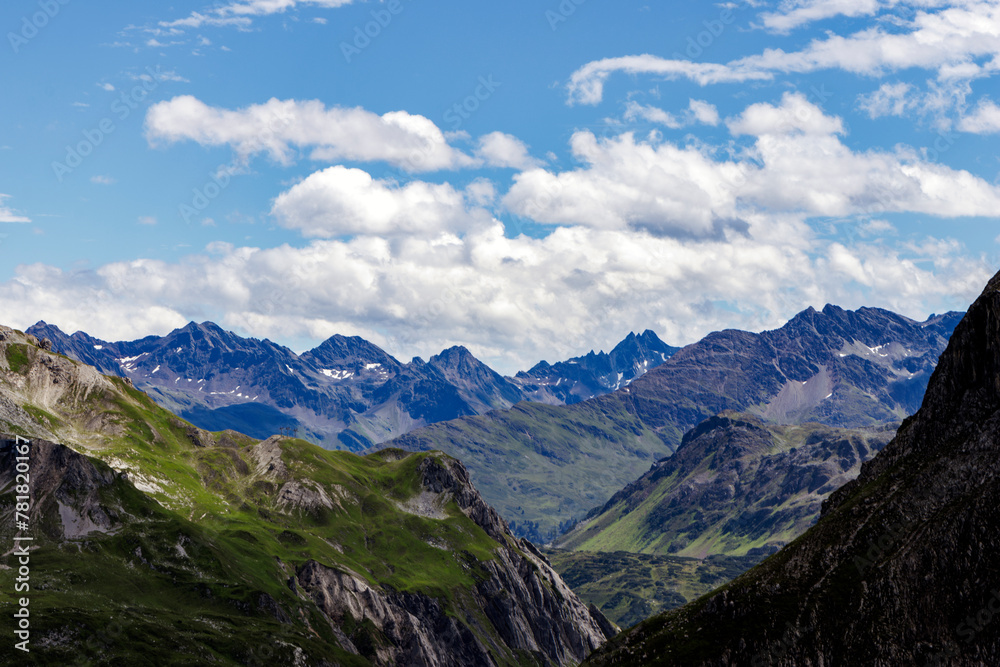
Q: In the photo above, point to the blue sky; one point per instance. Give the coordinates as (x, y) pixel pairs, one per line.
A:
(530, 180)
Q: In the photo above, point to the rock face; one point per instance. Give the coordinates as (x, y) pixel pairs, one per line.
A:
(529, 607)
(66, 490)
(902, 567)
(735, 485)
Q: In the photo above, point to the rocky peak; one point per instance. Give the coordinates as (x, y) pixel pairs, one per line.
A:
(348, 352)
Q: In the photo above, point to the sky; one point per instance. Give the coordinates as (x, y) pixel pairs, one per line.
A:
(532, 180)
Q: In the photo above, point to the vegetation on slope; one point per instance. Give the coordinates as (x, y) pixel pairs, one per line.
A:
(629, 587)
(187, 548)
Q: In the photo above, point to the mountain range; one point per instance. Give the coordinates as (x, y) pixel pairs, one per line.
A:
(346, 393)
(901, 567)
(154, 542)
(544, 467)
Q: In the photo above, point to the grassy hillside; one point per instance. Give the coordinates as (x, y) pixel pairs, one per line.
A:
(629, 588)
(165, 544)
(735, 485)
(541, 465)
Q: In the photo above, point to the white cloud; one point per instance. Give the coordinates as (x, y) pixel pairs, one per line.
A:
(703, 112)
(797, 165)
(238, 14)
(106, 87)
(340, 202)
(279, 127)
(586, 85)
(147, 220)
(481, 192)
(796, 13)
(796, 114)
(947, 41)
(102, 180)
(512, 301)
(635, 111)
(503, 150)
(984, 119)
(891, 99)
(7, 214)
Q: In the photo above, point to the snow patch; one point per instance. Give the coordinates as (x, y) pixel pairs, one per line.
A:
(98, 347)
(128, 363)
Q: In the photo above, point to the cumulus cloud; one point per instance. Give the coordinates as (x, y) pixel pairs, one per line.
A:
(795, 114)
(948, 41)
(984, 119)
(340, 201)
(513, 301)
(498, 149)
(280, 127)
(7, 214)
(796, 164)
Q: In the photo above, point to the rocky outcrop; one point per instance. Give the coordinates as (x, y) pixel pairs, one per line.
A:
(391, 628)
(526, 603)
(66, 490)
(902, 568)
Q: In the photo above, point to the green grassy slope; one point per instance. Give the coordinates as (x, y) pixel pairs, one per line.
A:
(208, 531)
(542, 466)
(629, 587)
(735, 485)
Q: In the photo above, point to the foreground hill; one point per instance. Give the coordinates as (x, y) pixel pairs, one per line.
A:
(901, 568)
(157, 542)
(544, 467)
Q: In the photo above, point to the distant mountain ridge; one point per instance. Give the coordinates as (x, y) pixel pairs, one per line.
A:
(543, 467)
(345, 393)
(585, 377)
